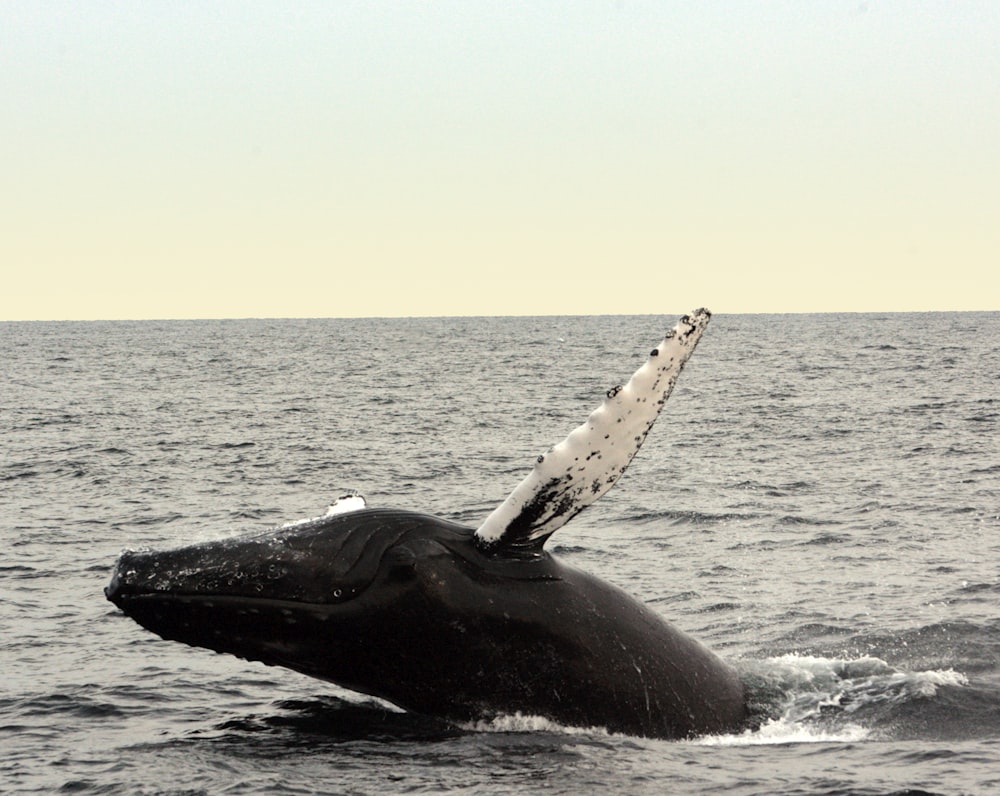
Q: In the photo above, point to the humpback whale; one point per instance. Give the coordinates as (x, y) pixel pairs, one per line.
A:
(451, 621)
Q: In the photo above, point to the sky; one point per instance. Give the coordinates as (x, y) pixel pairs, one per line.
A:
(339, 159)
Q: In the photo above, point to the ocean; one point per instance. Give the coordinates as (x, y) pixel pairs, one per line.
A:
(819, 503)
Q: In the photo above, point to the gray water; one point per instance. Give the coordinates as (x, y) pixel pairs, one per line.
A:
(819, 503)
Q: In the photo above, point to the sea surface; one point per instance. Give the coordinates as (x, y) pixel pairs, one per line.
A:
(819, 503)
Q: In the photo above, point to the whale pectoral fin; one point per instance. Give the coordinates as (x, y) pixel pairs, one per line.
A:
(585, 465)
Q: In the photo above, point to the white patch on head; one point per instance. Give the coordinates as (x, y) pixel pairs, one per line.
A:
(342, 505)
(346, 503)
(585, 465)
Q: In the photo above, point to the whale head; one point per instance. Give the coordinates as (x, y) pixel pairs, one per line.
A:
(325, 597)
(298, 596)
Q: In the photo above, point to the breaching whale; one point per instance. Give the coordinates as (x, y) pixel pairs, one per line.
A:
(451, 621)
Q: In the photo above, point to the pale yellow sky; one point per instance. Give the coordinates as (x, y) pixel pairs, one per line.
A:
(486, 158)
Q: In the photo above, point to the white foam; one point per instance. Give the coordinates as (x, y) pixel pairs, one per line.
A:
(805, 673)
(821, 694)
(520, 722)
(787, 731)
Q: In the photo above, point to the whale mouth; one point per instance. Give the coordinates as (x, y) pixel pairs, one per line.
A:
(130, 604)
(256, 628)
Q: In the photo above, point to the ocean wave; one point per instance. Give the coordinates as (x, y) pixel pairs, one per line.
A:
(675, 518)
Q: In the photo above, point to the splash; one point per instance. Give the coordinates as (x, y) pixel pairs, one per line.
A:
(526, 723)
(809, 699)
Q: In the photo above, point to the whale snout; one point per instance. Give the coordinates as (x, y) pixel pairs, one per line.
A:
(232, 568)
(113, 590)
(116, 589)
(145, 574)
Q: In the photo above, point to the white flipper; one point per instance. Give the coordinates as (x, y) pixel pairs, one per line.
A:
(585, 465)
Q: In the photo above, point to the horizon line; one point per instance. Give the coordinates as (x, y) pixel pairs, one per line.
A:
(165, 319)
